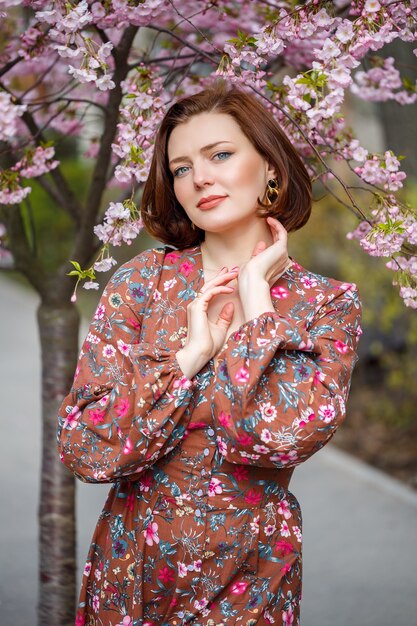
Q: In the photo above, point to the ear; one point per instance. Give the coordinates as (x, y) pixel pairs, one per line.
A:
(271, 173)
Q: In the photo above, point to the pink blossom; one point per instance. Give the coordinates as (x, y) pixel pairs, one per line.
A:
(327, 413)
(224, 419)
(128, 447)
(239, 587)
(96, 416)
(253, 497)
(215, 487)
(151, 533)
(242, 375)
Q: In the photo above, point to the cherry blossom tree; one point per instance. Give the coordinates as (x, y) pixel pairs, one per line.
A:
(104, 73)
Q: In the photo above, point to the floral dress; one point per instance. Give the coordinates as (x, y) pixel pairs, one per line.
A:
(199, 526)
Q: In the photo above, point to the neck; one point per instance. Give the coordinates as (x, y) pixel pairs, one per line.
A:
(235, 247)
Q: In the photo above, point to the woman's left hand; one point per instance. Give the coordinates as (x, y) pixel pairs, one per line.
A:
(267, 262)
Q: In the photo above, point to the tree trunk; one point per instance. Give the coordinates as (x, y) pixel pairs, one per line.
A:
(58, 326)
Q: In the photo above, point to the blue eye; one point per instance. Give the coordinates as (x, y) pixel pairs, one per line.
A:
(222, 156)
(178, 171)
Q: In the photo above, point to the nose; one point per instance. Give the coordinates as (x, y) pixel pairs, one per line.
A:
(202, 176)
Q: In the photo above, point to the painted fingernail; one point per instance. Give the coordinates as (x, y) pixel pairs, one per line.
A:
(235, 268)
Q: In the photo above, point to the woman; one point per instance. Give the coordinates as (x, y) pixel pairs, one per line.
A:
(210, 371)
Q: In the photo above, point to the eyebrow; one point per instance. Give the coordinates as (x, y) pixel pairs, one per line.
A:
(203, 149)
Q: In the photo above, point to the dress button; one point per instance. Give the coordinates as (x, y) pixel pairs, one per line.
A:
(206, 451)
(210, 432)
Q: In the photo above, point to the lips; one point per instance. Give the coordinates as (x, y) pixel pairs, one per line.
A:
(210, 201)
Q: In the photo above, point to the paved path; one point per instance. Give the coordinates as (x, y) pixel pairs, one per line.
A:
(360, 527)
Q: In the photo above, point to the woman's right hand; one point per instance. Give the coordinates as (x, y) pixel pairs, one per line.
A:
(205, 338)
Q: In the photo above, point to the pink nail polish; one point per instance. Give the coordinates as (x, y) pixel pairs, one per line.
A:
(235, 268)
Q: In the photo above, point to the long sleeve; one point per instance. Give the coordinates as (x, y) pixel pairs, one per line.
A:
(283, 382)
(129, 402)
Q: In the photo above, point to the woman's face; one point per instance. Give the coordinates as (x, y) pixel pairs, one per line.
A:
(218, 174)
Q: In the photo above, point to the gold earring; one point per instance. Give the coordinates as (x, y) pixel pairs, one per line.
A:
(192, 225)
(272, 191)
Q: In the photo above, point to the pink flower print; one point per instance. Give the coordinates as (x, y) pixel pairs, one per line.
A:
(151, 533)
(254, 526)
(224, 419)
(261, 449)
(284, 529)
(319, 377)
(122, 407)
(222, 446)
(287, 616)
(123, 347)
(239, 588)
(327, 413)
(109, 351)
(172, 257)
(182, 569)
(128, 447)
(145, 482)
(309, 282)
(87, 568)
(72, 418)
(134, 323)
(270, 529)
(268, 412)
(253, 496)
(173, 602)
(341, 347)
(244, 440)
(284, 458)
(186, 268)
(96, 416)
(156, 295)
(298, 533)
(168, 284)
(241, 473)
(99, 314)
(126, 621)
(283, 546)
(96, 603)
(91, 338)
(242, 375)
(284, 509)
(279, 292)
(285, 568)
(166, 575)
(306, 345)
(265, 437)
(182, 383)
(80, 620)
(130, 501)
(197, 565)
(306, 416)
(214, 487)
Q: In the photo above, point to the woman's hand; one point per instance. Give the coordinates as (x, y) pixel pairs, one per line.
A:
(257, 276)
(205, 338)
(267, 262)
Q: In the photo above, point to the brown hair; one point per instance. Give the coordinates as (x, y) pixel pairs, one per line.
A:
(163, 216)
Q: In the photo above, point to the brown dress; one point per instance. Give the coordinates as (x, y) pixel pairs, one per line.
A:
(199, 526)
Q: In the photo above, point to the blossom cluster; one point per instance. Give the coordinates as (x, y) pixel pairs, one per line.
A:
(301, 59)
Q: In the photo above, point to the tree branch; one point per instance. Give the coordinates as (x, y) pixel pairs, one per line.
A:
(85, 241)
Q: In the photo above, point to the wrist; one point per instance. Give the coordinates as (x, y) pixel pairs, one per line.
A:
(190, 361)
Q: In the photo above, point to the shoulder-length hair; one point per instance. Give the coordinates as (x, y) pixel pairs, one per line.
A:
(163, 216)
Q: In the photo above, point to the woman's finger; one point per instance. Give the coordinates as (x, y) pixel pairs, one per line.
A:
(220, 278)
(226, 315)
(205, 296)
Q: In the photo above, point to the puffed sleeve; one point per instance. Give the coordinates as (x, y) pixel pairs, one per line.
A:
(128, 405)
(281, 387)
